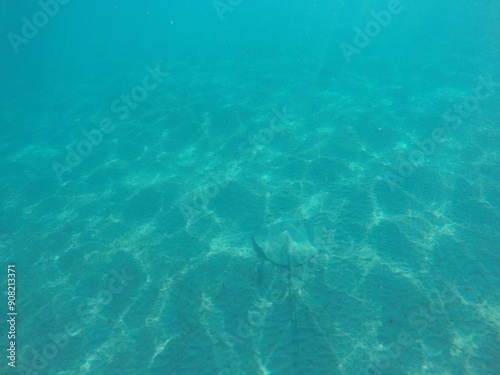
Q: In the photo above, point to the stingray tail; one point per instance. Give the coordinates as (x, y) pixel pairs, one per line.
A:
(295, 340)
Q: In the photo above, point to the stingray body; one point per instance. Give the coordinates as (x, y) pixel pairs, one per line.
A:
(286, 243)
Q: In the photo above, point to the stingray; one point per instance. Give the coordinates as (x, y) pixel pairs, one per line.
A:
(286, 243)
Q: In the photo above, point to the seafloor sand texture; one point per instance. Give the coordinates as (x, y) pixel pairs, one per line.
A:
(405, 279)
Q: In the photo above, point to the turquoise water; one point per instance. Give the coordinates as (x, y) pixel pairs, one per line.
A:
(144, 145)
